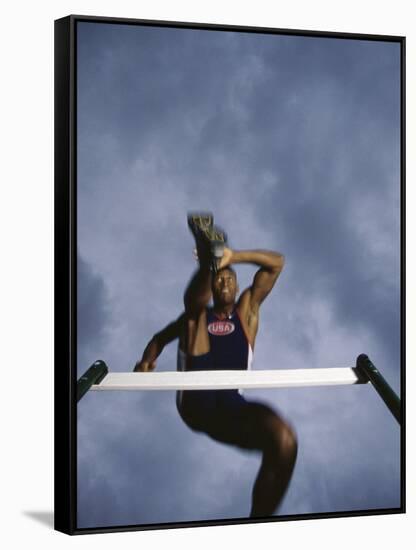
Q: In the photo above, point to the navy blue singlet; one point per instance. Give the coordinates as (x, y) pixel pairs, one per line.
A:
(229, 347)
(208, 410)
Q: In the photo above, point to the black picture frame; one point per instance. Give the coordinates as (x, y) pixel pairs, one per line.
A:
(66, 383)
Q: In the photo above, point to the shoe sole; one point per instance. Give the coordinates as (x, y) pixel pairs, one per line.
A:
(208, 236)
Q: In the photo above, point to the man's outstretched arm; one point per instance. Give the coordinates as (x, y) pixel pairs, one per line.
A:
(270, 266)
(155, 347)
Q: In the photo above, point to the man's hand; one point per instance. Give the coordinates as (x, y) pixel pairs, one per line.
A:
(227, 258)
(225, 261)
(144, 366)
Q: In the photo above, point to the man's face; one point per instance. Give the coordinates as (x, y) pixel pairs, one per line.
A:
(224, 287)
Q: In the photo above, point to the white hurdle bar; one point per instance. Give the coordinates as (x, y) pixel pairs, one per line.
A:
(228, 379)
(98, 378)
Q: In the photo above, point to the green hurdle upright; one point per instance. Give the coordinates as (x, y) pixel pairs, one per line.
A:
(94, 375)
(366, 368)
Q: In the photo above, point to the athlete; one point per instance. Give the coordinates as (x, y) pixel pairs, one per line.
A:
(222, 337)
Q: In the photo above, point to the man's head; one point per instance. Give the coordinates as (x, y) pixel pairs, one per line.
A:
(224, 287)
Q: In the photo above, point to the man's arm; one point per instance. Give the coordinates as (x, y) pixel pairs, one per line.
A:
(270, 264)
(155, 347)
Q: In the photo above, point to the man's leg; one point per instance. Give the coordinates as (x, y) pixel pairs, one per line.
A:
(257, 426)
(278, 461)
(198, 292)
(197, 296)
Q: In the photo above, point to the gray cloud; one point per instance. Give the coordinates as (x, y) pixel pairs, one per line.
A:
(93, 314)
(293, 143)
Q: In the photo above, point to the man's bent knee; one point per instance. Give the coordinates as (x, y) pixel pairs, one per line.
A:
(288, 441)
(282, 438)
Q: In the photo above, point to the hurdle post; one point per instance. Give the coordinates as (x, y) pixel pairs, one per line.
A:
(94, 375)
(366, 369)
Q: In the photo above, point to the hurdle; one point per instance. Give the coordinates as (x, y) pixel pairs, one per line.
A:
(98, 378)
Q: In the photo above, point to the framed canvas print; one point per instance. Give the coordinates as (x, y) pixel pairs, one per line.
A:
(229, 253)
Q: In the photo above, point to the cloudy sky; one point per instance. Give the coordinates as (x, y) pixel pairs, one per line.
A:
(293, 143)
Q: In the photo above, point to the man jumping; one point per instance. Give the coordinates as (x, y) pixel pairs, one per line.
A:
(222, 337)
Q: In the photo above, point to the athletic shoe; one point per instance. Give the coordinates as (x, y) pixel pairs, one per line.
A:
(210, 239)
(202, 220)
